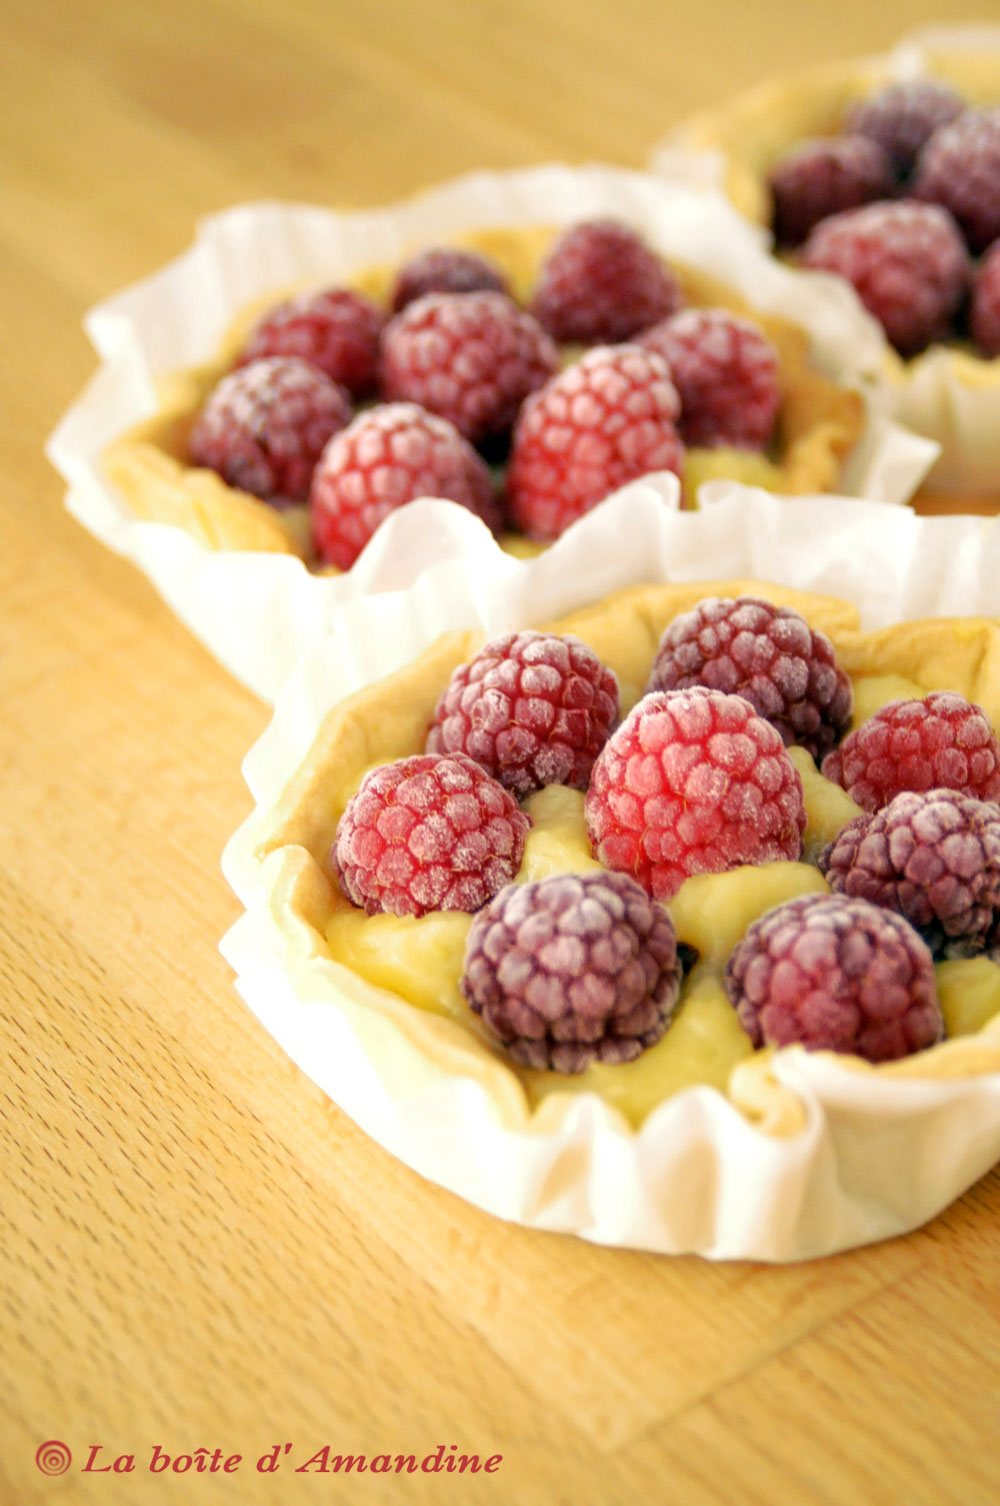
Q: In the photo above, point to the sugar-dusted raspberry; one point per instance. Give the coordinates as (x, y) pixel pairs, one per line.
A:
(430, 832)
(959, 168)
(824, 176)
(902, 117)
(933, 857)
(445, 269)
(984, 314)
(725, 370)
(390, 455)
(605, 420)
(940, 742)
(573, 969)
(907, 263)
(693, 781)
(601, 283)
(334, 329)
(532, 708)
(770, 656)
(471, 357)
(264, 426)
(835, 974)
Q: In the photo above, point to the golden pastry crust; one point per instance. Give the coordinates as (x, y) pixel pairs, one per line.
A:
(818, 426)
(289, 844)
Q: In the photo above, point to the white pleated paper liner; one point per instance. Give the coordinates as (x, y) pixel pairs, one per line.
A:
(947, 393)
(873, 1157)
(257, 612)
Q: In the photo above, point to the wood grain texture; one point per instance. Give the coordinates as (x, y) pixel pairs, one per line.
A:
(198, 1250)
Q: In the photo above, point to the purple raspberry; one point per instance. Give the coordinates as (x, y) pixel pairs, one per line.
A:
(824, 176)
(768, 655)
(959, 168)
(984, 314)
(573, 969)
(902, 117)
(934, 858)
(835, 974)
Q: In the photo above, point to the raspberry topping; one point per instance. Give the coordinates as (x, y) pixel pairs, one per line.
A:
(387, 457)
(601, 283)
(693, 781)
(902, 117)
(471, 357)
(941, 742)
(605, 420)
(821, 177)
(984, 316)
(933, 857)
(532, 708)
(444, 269)
(767, 654)
(906, 261)
(959, 168)
(428, 833)
(264, 426)
(726, 373)
(835, 974)
(573, 969)
(335, 329)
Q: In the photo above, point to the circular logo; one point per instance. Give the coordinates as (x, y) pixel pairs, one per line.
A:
(53, 1458)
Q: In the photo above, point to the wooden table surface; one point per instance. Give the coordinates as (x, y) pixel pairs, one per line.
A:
(198, 1250)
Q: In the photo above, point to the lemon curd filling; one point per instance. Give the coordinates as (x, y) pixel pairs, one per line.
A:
(421, 958)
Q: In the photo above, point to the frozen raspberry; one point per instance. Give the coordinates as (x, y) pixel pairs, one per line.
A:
(907, 263)
(471, 357)
(726, 373)
(605, 420)
(444, 269)
(693, 781)
(532, 708)
(770, 656)
(824, 176)
(984, 316)
(264, 426)
(835, 974)
(959, 168)
(601, 283)
(335, 329)
(902, 117)
(387, 457)
(941, 742)
(932, 857)
(573, 969)
(428, 833)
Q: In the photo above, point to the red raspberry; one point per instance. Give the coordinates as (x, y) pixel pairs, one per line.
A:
(934, 858)
(387, 457)
(907, 263)
(605, 420)
(693, 781)
(573, 969)
(984, 316)
(959, 168)
(824, 176)
(902, 117)
(264, 426)
(428, 833)
(941, 742)
(600, 283)
(726, 372)
(835, 974)
(443, 269)
(770, 656)
(471, 357)
(532, 708)
(334, 329)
